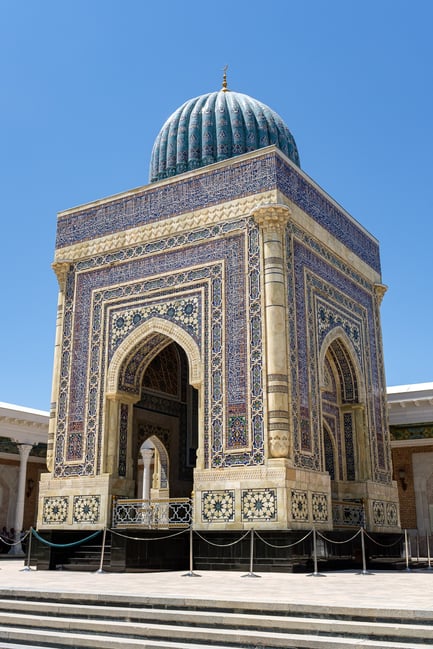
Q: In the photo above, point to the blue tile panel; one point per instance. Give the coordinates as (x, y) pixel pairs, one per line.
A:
(212, 187)
(187, 284)
(323, 294)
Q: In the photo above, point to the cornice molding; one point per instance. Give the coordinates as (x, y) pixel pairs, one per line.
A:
(160, 229)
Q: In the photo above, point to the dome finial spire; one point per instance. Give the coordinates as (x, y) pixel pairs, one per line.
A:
(224, 88)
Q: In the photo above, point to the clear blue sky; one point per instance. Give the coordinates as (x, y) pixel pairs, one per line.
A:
(86, 85)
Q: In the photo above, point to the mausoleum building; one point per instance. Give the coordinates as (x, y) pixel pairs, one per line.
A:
(219, 338)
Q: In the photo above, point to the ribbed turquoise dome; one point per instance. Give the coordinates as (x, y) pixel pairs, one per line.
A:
(214, 127)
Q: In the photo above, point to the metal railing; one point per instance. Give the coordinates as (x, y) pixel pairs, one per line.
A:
(160, 514)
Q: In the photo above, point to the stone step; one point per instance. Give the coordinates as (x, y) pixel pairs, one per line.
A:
(56, 615)
(95, 626)
(42, 639)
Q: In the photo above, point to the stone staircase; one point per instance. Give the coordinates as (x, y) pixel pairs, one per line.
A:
(108, 622)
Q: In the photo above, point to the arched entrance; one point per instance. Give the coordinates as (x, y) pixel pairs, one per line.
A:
(344, 449)
(165, 423)
(152, 415)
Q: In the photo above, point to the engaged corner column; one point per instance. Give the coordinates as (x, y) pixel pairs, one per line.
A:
(24, 450)
(272, 220)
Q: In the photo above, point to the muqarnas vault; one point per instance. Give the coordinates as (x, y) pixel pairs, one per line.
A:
(218, 334)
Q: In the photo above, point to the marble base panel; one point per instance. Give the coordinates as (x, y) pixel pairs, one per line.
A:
(84, 503)
(275, 496)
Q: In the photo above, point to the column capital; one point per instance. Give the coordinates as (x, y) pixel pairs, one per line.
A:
(272, 216)
(61, 268)
(380, 290)
(24, 448)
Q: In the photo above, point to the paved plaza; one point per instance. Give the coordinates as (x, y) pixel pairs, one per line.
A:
(385, 590)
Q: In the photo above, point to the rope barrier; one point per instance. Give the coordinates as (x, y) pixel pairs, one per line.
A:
(11, 543)
(283, 547)
(339, 542)
(64, 545)
(222, 545)
(384, 545)
(154, 538)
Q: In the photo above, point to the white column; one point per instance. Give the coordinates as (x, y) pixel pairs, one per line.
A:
(24, 450)
(147, 455)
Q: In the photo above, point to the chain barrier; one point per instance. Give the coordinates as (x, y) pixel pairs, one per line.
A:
(11, 543)
(222, 545)
(64, 545)
(283, 547)
(384, 545)
(339, 542)
(155, 538)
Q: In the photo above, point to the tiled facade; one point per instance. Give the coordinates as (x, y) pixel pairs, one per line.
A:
(201, 260)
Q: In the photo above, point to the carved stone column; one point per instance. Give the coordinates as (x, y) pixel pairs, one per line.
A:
(24, 450)
(272, 220)
(147, 455)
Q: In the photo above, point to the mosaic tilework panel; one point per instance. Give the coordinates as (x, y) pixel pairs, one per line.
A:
(86, 509)
(262, 173)
(319, 506)
(218, 506)
(326, 213)
(183, 312)
(299, 505)
(102, 292)
(55, 510)
(259, 505)
(181, 196)
(378, 512)
(328, 294)
(391, 514)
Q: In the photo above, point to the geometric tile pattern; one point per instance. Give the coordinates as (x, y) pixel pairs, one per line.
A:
(330, 296)
(299, 507)
(319, 505)
(86, 509)
(378, 512)
(108, 302)
(218, 506)
(55, 509)
(262, 173)
(259, 505)
(391, 514)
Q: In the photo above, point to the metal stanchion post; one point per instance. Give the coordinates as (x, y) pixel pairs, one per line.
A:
(427, 538)
(101, 563)
(251, 572)
(191, 572)
(316, 573)
(364, 570)
(29, 553)
(406, 550)
(417, 547)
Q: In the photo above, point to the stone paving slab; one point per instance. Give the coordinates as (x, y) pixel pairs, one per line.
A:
(380, 592)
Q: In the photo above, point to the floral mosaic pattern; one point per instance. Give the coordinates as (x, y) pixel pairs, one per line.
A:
(184, 312)
(319, 506)
(259, 505)
(218, 506)
(55, 509)
(299, 505)
(86, 509)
